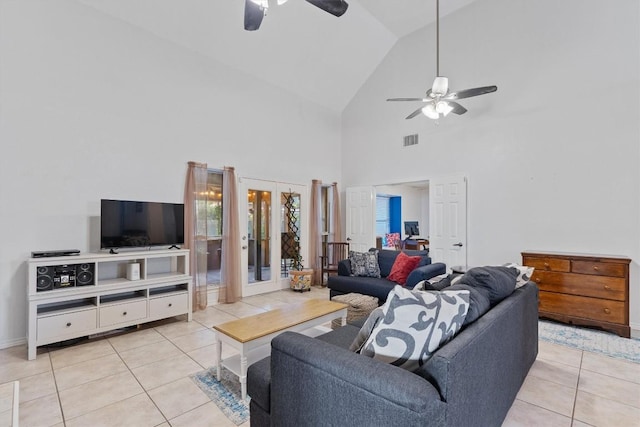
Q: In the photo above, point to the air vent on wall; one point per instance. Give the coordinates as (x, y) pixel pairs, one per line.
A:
(410, 140)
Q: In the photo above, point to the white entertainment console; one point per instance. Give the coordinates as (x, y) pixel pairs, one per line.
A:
(107, 300)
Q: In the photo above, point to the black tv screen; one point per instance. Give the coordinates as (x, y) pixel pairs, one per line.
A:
(126, 223)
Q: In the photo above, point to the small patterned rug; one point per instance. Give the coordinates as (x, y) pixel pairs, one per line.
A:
(225, 393)
(591, 340)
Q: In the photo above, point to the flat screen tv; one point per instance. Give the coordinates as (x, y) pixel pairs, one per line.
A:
(411, 228)
(127, 223)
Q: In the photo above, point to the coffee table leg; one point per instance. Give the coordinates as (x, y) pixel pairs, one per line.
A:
(243, 375)
(217, 348)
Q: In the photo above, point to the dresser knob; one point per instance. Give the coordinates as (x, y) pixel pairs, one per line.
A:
(595, 268)
(68, 324)
(170, 304)
(546, 265)
(124, 314)
(607, 287)
(538, 280)
(606, 310)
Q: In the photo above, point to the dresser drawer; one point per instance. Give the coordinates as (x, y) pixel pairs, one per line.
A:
(583, 307)
(113, 314)
(168, 306)
(599, 268)
(66, 325)
(547, 264)
(613, 288)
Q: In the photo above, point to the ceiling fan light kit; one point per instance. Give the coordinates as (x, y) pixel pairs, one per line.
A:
(256, 10)
(440, 102)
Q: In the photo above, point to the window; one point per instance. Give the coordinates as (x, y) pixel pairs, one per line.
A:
(383, 215)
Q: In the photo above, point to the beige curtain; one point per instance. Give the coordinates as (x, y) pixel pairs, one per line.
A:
(336, 214)
(195, 218)
(315, 232)
(231, 274)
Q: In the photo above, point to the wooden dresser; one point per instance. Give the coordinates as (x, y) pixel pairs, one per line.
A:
(583, 289)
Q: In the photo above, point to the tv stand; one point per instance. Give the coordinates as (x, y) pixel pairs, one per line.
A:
(111, 301)
(113, 251)
(174, 247)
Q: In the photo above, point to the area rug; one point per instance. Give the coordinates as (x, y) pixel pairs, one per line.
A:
(591, 340)
(225, 393)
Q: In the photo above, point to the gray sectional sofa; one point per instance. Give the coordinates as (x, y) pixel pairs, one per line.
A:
(345, 283)
(470, 381)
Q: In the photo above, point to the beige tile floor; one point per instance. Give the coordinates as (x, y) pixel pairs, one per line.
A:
(141, 378)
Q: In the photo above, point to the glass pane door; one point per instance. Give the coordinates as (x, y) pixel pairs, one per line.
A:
(259, 235)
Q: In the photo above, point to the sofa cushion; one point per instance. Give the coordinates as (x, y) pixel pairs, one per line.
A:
(364, 263)
(365, 331)
(402, 266)
(376, 287)
(386, 258)
(500, 282)
(524, 273)
(415, 325)
(478, 301)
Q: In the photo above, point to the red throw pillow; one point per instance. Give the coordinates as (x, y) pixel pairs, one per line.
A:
(403, 265)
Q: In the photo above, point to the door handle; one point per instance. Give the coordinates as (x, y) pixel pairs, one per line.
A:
(459, 244)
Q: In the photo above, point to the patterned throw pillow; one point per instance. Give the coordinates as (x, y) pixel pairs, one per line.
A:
(364, 263)
(415, 325)
(402, 266)
(524, 273)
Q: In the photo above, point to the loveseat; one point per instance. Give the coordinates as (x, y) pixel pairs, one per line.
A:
(379, 287)
(472, 380)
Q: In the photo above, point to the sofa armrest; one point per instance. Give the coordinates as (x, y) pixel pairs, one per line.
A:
(425, 272)
(317, 383)
(344, 268)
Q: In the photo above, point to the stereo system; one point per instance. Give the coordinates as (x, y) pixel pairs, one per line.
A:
(64, 276)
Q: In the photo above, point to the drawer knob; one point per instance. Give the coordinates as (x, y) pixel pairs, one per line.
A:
(538, 280)
(124, 314)
(546, 264)
(607, 287)
(606, 310)
(170, 304)
(68, 324)
(595, 268)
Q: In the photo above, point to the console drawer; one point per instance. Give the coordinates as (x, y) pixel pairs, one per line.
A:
(599, 268)
(583, 307)
(167, 306)
(581, 284)
(547, 264)
(123, 313)
(70, 324)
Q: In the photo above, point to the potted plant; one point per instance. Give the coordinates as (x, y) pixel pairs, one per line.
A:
(299, 277)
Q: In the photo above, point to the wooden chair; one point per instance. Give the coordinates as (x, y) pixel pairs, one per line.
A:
(332, 254)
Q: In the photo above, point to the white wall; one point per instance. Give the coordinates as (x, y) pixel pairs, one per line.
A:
(552, 158)
(91, 108)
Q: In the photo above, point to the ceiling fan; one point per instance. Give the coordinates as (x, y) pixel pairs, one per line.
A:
(441, 102)
(256, 10)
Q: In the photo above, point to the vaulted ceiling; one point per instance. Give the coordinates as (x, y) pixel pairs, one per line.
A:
(298, 48)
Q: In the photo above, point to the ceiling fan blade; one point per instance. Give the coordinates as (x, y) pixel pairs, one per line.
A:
(408, 99)
(415, 113)
(468, 93)
(253, 15)
(457, 108)
(334, 7)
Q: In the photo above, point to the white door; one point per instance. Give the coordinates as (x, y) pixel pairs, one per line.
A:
(258, 209)
(361, 218)
(448, 220)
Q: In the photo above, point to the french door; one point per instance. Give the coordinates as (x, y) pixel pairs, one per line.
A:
(270, 212)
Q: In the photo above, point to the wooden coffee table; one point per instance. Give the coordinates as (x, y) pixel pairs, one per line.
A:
(252, 335)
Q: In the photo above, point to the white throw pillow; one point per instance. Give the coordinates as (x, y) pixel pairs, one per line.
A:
(415, 325)
(524, 273)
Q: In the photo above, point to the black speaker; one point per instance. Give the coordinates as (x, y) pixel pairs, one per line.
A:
(44, 280)
(84, 274)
